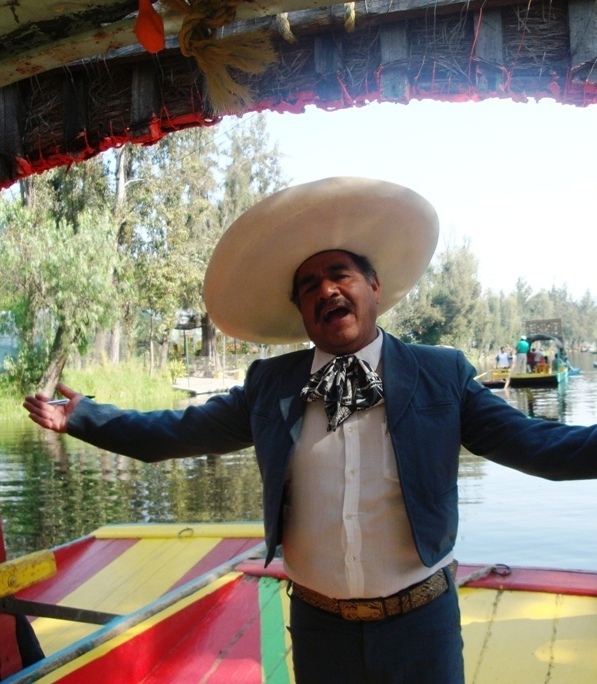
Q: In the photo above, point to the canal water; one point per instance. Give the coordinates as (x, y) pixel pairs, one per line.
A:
(54, 488)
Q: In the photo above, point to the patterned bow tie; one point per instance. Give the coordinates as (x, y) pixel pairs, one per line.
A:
(345, 384)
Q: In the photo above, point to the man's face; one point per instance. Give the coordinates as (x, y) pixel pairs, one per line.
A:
(337, 303)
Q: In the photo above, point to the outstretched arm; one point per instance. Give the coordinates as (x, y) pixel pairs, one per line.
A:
(50, 415)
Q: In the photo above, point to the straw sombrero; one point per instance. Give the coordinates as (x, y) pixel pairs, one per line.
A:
(249, 277)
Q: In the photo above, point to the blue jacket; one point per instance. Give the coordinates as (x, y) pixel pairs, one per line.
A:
(433, 403)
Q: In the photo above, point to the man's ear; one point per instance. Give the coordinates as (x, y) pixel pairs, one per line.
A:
(376, 287)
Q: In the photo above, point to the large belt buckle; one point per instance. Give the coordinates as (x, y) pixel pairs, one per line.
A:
(362, 610)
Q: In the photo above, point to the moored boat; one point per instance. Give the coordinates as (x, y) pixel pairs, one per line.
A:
(502, 378)
(541, 375)
(190, 603)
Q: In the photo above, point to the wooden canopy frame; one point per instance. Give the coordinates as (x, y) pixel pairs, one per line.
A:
(83, 84)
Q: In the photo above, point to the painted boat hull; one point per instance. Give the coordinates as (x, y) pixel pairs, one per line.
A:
(539, 379)
(499, 379)
(526, 627)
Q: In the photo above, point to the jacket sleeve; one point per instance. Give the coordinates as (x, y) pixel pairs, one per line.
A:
(497, 431)
(220, 426)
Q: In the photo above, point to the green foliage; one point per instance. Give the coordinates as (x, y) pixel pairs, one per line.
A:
(252, 170)
(125, 239)
(11, 399)
(24, 370)
(449, 307)
(125, 384)
(176, 369)
(57, 283)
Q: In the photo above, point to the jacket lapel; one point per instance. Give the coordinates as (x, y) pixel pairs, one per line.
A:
(400, 371)
(292, 381)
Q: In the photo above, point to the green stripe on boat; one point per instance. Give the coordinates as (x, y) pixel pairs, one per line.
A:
(273, 646)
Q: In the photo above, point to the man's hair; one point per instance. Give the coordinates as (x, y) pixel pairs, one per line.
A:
(360, 261)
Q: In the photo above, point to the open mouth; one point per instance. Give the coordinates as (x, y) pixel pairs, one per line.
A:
(334, 310)
(335, 314)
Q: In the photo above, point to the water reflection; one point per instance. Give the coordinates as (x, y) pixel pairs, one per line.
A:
(545, 403)
(54, 488)
(510, 517)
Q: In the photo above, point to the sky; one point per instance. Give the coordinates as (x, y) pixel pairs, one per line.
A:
(517, 181)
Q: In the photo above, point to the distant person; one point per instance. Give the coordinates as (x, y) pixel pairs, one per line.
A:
(503, 358)
(531, 359)
(520, 362)
(357, 439)
(538, 356)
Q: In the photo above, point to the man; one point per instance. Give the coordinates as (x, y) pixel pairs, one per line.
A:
(520, 362)
(503, 358)
(357, 439)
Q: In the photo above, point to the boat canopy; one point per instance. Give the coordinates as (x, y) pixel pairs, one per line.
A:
(543, 337)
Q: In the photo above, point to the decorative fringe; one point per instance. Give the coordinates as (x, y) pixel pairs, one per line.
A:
(218, 58)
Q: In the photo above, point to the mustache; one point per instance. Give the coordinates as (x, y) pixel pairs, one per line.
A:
(324, 307)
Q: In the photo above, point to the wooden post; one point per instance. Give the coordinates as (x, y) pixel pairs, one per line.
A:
(75, 113)
(146, 102)
(489, 51)
(394, 84)
(328, 64)
(12, 127)
(582, 19)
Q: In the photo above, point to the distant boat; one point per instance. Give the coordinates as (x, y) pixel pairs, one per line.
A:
(500, 378)
(542, 376)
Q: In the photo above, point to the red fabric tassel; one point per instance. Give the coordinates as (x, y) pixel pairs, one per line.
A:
(149, 27)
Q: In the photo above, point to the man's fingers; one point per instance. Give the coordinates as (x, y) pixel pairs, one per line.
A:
(66, 391)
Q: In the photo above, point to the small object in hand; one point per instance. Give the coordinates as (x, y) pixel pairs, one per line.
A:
(62, 402)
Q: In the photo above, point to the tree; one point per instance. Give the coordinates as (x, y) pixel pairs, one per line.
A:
(58, 287)
(172, 226)
(252, 171)
(415, 319)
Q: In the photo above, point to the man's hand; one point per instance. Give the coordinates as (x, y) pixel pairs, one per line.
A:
(52, 416)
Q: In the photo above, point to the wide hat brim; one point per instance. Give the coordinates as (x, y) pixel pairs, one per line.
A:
(248, 282)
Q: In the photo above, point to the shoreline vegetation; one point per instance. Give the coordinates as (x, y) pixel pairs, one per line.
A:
(127, 385)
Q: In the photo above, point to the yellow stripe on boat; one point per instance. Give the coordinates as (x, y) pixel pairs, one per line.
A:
(523, 637)
(181, 530)
(156, 563)
(287, 639)
(23, 572)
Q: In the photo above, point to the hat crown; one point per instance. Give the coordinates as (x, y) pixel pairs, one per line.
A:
(248, 281)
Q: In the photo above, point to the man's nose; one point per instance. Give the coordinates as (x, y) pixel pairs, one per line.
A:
(328, 288)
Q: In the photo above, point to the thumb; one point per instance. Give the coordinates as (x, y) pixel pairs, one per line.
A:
(66, 391)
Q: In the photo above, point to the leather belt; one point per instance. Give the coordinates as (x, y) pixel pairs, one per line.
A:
(379, 608)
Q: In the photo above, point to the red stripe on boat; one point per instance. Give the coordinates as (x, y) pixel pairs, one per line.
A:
(574, 582)
(218, 637)
(221, 553)
(77, 563)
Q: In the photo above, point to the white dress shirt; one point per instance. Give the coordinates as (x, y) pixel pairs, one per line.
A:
(346, 532)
